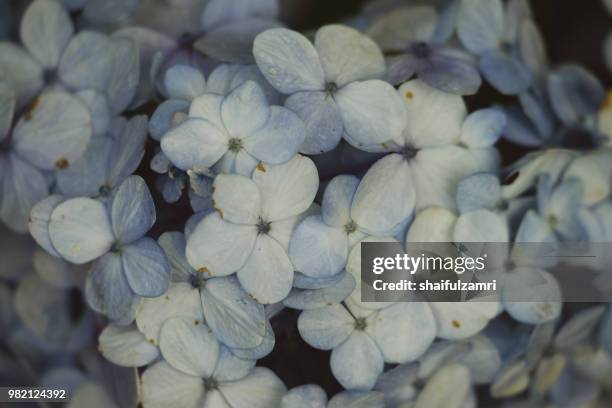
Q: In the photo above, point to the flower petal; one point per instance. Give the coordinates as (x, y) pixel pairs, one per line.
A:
(55, 133)
(162, 119)
(287, 189)
(434, 117)
(449, 387)
(194, 144)
(483, 127)
(322, 118)
(45, 31)
(317, 298)
(305, 396)
(22, 186)
(317, 250)
(132, 210)
(372, 112)
(481, 226)
(180, 300)
(337, 200)
(189, 347)
(327, 327)
(7, 109)
(22, 72)
(87, 61)
(404, 331)
(260, 389)
(126, 346)
(146, 267)
(184, 82)
(451, 74)
(163, 386)
(432, 224)
(125, 75)
(357, 373)
(462, 320)
(507, 74)
(480, 24)
(80, 230)
(219, 247)
(480, 190)
(107, 289)
(267, 274)
(288, 61)
(347, 55)
(279, 139)
(397, 29)
(38, 223)
(245, 110)
(385, 197)
(237, 320)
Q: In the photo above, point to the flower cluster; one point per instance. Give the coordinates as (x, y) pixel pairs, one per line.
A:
(185, 186)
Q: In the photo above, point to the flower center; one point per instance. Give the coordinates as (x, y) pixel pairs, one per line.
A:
(234, 145)
(115, 248)
(50, 76)
(421, 50)
(210, 384)
(331, 88)
(263, 227)
(409, 152)
(350, 227)
(104, 190)
(360, 323)
(197, 280)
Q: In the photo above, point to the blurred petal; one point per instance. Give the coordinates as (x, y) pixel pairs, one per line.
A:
(507, 74)
(448, 388)
(87, 61)
(45, 31)
(184, 82)
(462, 320)
(449, 74)
(480, 24)
(480, 190)
(396, 30)
(124, 76)
(55, 132)
(22, 72)
(22, 186)
(483, 127)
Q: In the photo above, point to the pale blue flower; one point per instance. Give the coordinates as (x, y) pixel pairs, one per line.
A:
(313, 396)
(398, 333)
(198, 371)
(331, 85)
(51, 135)
(127, 265)
(408, 36)
(439, 145)
(250, 231)
(490, 31)
(54, 56)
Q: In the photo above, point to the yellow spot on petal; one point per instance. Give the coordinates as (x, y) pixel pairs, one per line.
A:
(456, 324)
(384, 145)
(607, 103)
(196, 322)
(30, 110)
(409, 95)
(261, 167)
(220, 211)
(61, 163)
(151, 341)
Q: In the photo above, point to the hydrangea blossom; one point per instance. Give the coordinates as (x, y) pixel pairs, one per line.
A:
(250, 231)
(410, 36)
(127, 265)
(49, 136)
(331, 85)
(197, 370)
